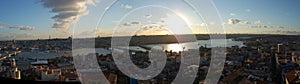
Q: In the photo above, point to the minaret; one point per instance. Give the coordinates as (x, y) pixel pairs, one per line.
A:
(13, 44)
(278, 48)
(293, 57)
(13, 62)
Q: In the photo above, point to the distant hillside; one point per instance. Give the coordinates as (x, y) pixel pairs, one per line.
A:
(156, 39)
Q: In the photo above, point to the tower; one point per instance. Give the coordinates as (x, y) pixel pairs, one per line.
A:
(13, 62)
(293, 57)
(13, 44)
(278, 48)
(15, 73)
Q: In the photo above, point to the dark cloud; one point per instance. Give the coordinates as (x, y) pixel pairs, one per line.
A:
(237, 21)
(22, 27)
(68, 11)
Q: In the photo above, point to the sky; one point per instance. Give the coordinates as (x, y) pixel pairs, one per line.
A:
(42, 19)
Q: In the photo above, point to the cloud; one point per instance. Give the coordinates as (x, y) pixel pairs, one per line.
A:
(1, 25)
(22, 27)
(271, 26)
(262, 26)
(153, 29)
(258, 22)
(135, 22)
(255, 26)
(288, 32)
(280, 27)
(223, 23)
(127, 24)
(147, 16)
(245, 22)
(93, 33)
(198, 25)
(248, 10)
(232, 14)
(126, 6)
(163, 20)
(67, 11)
(20, 36)
(25, 35)
(27, 28)
(269, 23)
(233, 21)
(211, 23)
(150, 26)
(203, 24)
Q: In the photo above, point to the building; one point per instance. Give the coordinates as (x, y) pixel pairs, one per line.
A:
(51, 75)
(112, 78)
(70, 76)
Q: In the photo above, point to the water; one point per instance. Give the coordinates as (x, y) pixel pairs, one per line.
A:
(192, 45)
(41, 55)
(173, 47)
(102, 51)
(199, 43)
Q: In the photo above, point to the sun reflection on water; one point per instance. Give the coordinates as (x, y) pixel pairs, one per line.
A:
(174, 47)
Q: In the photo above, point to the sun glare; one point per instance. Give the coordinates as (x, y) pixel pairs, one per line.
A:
(184, 17)
(178, 24)
(174, 47)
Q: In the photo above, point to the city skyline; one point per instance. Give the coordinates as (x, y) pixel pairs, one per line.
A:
(39, 19)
